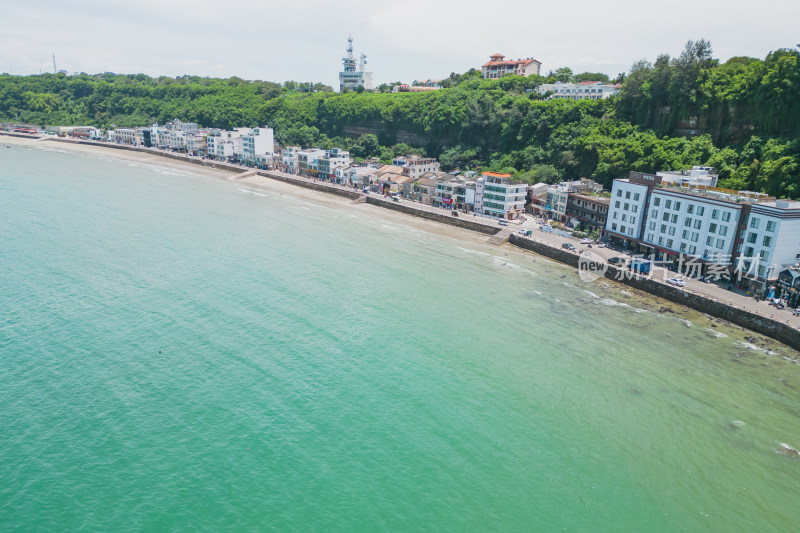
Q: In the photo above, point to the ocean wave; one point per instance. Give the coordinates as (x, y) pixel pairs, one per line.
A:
(590, 293)
(254, 193)
(714, 333)
(476, 252)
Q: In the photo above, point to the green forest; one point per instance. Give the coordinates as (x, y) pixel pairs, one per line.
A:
(741, 117)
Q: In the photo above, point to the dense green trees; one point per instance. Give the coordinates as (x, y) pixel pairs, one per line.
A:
(742, 117)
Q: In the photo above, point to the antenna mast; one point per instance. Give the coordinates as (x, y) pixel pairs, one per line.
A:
(54, 65)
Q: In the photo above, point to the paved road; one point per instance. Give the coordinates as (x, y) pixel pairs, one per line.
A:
(715, 291)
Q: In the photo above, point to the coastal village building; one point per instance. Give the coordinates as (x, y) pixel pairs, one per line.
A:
(496, 196)
(129, 136)
(554, 205)
(714, 228)
(289, 159)
(416, 166)
(423, 190)
(223, 145)
(591, 212)
(591, 90)
(455, 193)
(307, 164)
(353, 75)
(258, 145)
(498, 66)
(334, 159)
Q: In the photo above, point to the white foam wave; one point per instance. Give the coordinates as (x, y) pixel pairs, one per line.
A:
(715, 333)
(590, 293)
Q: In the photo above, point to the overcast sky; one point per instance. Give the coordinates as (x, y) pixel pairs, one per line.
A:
(404, 40)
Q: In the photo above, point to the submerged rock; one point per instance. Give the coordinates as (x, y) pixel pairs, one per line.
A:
(788, 451)
(735, 424)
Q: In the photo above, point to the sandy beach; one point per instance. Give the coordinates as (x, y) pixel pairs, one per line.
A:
(532, 261)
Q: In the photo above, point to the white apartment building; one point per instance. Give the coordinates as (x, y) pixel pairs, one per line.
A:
(770, 238)
(257, 146)
(308, 162)
(289, 159)
(585, 90)
(678, 222)
(498, 66)
(497, 197)
(224, 145)
(416, 166)
(129, 136)
(626, 209)
(334, 159)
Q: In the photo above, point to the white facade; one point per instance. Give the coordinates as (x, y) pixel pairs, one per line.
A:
(352, 75)
(257, 146)
(626, 209)
(496, 196)
(223, 145)
(696, 226)
(289, 159)
(771, 238)
(129, 136)
(587, 90)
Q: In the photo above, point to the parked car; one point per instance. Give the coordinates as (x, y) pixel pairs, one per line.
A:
(365, 190)
(503, 222)
(568, 246)
(616, 260)
(586, 241)
(396, 197)
(677, 282)
(601, 245)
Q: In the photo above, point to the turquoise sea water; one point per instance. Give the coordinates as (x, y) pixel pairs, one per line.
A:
(179, 352)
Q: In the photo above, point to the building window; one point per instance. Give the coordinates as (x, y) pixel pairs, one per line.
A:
(748, 252)
(754, 222)
(656, 201)
(712, 228)
(623, 229)
(685, 234)
(767, 240)
(665, 218)
(751, 238)
(654, 213)
(692, 249)
(668, 204)
(619, 194)
(687, 222)
(635, 208)
(726, 216)
(764, 255)
(677, 206)
(636, 196)
(723, 230)
(661, 241)
(700, 210)
(709, 241)
(652, 225)
(669, 243)
(771, 225)
(663, 228)
(690, 209)
(650, 237)
(624, 217)
(715, 214)
(698, 223)
(720, 243)
(674, 219)
(614, 225)
(683, 247)
(616, 204)
(628, 195)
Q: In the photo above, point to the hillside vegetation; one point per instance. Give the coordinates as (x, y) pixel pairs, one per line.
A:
(741, 117)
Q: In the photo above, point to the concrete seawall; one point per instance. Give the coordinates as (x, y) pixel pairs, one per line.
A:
(746, 319)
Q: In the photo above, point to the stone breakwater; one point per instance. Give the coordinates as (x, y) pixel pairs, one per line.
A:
(766, 326)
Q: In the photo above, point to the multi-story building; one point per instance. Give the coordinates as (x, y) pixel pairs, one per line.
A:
(333, 159)
(585, 90)
(590, 212)
(496, 196)
(498, 66)
(711, 227)
(224, 145)
(416, 166)
(129, 136)
(196, 143)
(307, 162)
(626, 208)
(455, 193)
(257, 146)
(289, 159)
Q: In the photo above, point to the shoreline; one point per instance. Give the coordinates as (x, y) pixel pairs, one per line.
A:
(478, 228)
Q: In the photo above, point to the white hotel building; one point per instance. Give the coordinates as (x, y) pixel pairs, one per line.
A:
(713, 227)
(497, 197)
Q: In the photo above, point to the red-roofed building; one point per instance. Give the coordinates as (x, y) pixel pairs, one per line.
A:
(498, 66)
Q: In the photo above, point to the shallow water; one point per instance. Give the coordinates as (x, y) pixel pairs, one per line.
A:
(184, 352)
